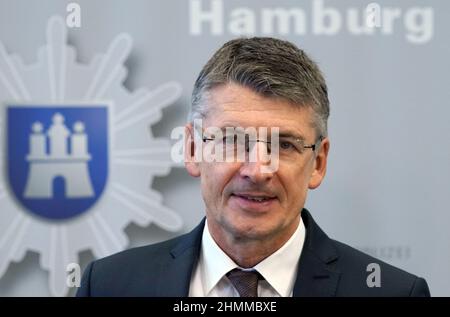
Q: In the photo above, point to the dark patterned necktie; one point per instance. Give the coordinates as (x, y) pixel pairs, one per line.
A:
(245, 282)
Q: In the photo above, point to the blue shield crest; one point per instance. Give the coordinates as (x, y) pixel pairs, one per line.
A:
(57, 156)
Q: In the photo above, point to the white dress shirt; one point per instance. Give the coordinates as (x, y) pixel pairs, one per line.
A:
(279, 269)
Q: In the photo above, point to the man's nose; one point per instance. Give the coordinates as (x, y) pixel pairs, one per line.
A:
(255, 166)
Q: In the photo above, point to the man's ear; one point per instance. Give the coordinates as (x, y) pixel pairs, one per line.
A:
(191, 165)
(320, 165)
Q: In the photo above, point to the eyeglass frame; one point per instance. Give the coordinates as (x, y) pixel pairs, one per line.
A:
(308, 146)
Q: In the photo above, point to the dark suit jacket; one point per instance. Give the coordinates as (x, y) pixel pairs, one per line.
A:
(326, 268)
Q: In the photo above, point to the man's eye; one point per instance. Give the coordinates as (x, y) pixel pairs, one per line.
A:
(285, 145)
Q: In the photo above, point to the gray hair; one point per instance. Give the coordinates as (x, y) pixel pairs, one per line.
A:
(270, 67)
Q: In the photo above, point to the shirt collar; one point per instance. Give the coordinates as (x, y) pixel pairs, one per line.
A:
(279, 269)
(215, 262)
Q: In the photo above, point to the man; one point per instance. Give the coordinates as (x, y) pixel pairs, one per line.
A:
(257, 239)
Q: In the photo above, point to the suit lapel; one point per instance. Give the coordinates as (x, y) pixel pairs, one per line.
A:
(317, 274)
(314, 278)
(175, 276)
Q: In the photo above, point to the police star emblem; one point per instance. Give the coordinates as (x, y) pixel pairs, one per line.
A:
(78, 156)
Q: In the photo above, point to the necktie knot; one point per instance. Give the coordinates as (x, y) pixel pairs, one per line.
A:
(245, 282)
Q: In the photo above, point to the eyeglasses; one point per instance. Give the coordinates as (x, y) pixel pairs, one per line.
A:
(286, 145)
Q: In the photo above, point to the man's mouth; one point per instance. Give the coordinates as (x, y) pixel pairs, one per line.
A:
(254, 197)
(253, 202)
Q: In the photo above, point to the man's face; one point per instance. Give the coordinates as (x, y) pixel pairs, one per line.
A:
(231, 189)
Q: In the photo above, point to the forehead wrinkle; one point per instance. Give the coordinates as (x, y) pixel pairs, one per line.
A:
(235, 98)
(293, 129)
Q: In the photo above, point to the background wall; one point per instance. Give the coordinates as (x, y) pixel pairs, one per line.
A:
(387, 190)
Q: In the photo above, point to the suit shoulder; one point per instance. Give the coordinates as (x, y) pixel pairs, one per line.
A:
(139, 271)
(136, 256)
(357, 268)
(135, 262)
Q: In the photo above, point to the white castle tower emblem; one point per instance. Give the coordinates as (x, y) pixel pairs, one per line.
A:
(59, 161)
